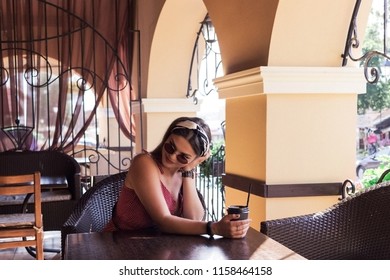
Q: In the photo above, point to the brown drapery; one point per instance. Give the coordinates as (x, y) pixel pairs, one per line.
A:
(52, 41)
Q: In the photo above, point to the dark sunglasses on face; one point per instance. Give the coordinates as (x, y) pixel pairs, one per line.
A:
(171, 149)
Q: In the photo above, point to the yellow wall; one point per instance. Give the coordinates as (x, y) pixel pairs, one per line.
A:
(283, 139)
(246, 136)
(309, 139)
(288, 207)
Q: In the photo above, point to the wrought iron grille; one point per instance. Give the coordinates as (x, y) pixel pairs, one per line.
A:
(66, 80)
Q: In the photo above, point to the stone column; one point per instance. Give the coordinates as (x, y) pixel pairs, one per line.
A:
(290, 133)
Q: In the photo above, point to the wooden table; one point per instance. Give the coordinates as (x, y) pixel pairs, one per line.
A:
(125, 245)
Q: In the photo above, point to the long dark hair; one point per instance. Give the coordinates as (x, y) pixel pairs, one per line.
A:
(188, 134)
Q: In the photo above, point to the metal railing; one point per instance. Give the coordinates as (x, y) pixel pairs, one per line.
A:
(209, 183)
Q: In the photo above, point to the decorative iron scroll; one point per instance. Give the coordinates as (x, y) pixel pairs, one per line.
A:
(347, 189)
(96, 158)
(372, 74)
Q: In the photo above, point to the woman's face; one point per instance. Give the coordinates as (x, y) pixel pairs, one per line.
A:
(177, 152)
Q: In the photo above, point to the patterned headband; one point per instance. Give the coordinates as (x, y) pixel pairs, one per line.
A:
(204, 139)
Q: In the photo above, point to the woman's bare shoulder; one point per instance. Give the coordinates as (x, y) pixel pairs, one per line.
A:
(142, 166)
(143, 162)
(143, 158)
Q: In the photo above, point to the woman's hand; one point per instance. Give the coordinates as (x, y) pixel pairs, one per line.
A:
(228, 227)
(193, 164)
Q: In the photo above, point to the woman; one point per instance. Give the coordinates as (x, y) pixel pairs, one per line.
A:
(159, 189)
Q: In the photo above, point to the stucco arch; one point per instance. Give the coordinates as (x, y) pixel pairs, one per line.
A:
(171, 48)
(251, 33)
(255, 33)
(314, 35)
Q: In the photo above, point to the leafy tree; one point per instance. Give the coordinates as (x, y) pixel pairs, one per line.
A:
(377, 97)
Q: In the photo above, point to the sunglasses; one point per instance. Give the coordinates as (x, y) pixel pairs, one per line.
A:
(171, 149)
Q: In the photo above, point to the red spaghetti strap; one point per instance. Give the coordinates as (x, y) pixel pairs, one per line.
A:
(157, 163)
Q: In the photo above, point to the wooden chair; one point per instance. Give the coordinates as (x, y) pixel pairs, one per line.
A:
(23, 225)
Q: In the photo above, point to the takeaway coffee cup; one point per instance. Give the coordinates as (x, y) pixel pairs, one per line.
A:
(239, 209)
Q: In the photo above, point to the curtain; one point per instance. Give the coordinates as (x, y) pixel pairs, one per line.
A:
(54, 55)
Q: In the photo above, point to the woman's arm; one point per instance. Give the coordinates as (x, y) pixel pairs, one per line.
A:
(192, 206)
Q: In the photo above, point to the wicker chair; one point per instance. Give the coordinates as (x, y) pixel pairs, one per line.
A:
(93, 211)
(356, 228)
(57, 204)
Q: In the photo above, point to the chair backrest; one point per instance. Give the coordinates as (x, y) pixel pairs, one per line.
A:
(24, 184)
(93, 211)
(355, 228)
(24, 162)
(21, 224)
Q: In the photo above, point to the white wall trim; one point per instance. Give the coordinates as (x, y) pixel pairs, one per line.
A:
(292, 80)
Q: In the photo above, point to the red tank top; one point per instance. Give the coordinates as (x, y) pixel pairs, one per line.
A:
(130, 214)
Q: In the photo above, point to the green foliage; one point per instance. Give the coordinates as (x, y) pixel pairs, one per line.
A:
(371, 176)
(377, 97)
(373, 40)
(206, 167)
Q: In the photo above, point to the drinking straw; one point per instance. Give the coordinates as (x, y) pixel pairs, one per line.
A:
(249, 193)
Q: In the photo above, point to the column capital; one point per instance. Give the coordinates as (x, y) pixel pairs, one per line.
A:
(292, 80)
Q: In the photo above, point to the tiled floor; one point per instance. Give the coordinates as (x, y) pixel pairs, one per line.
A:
(52, 240)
